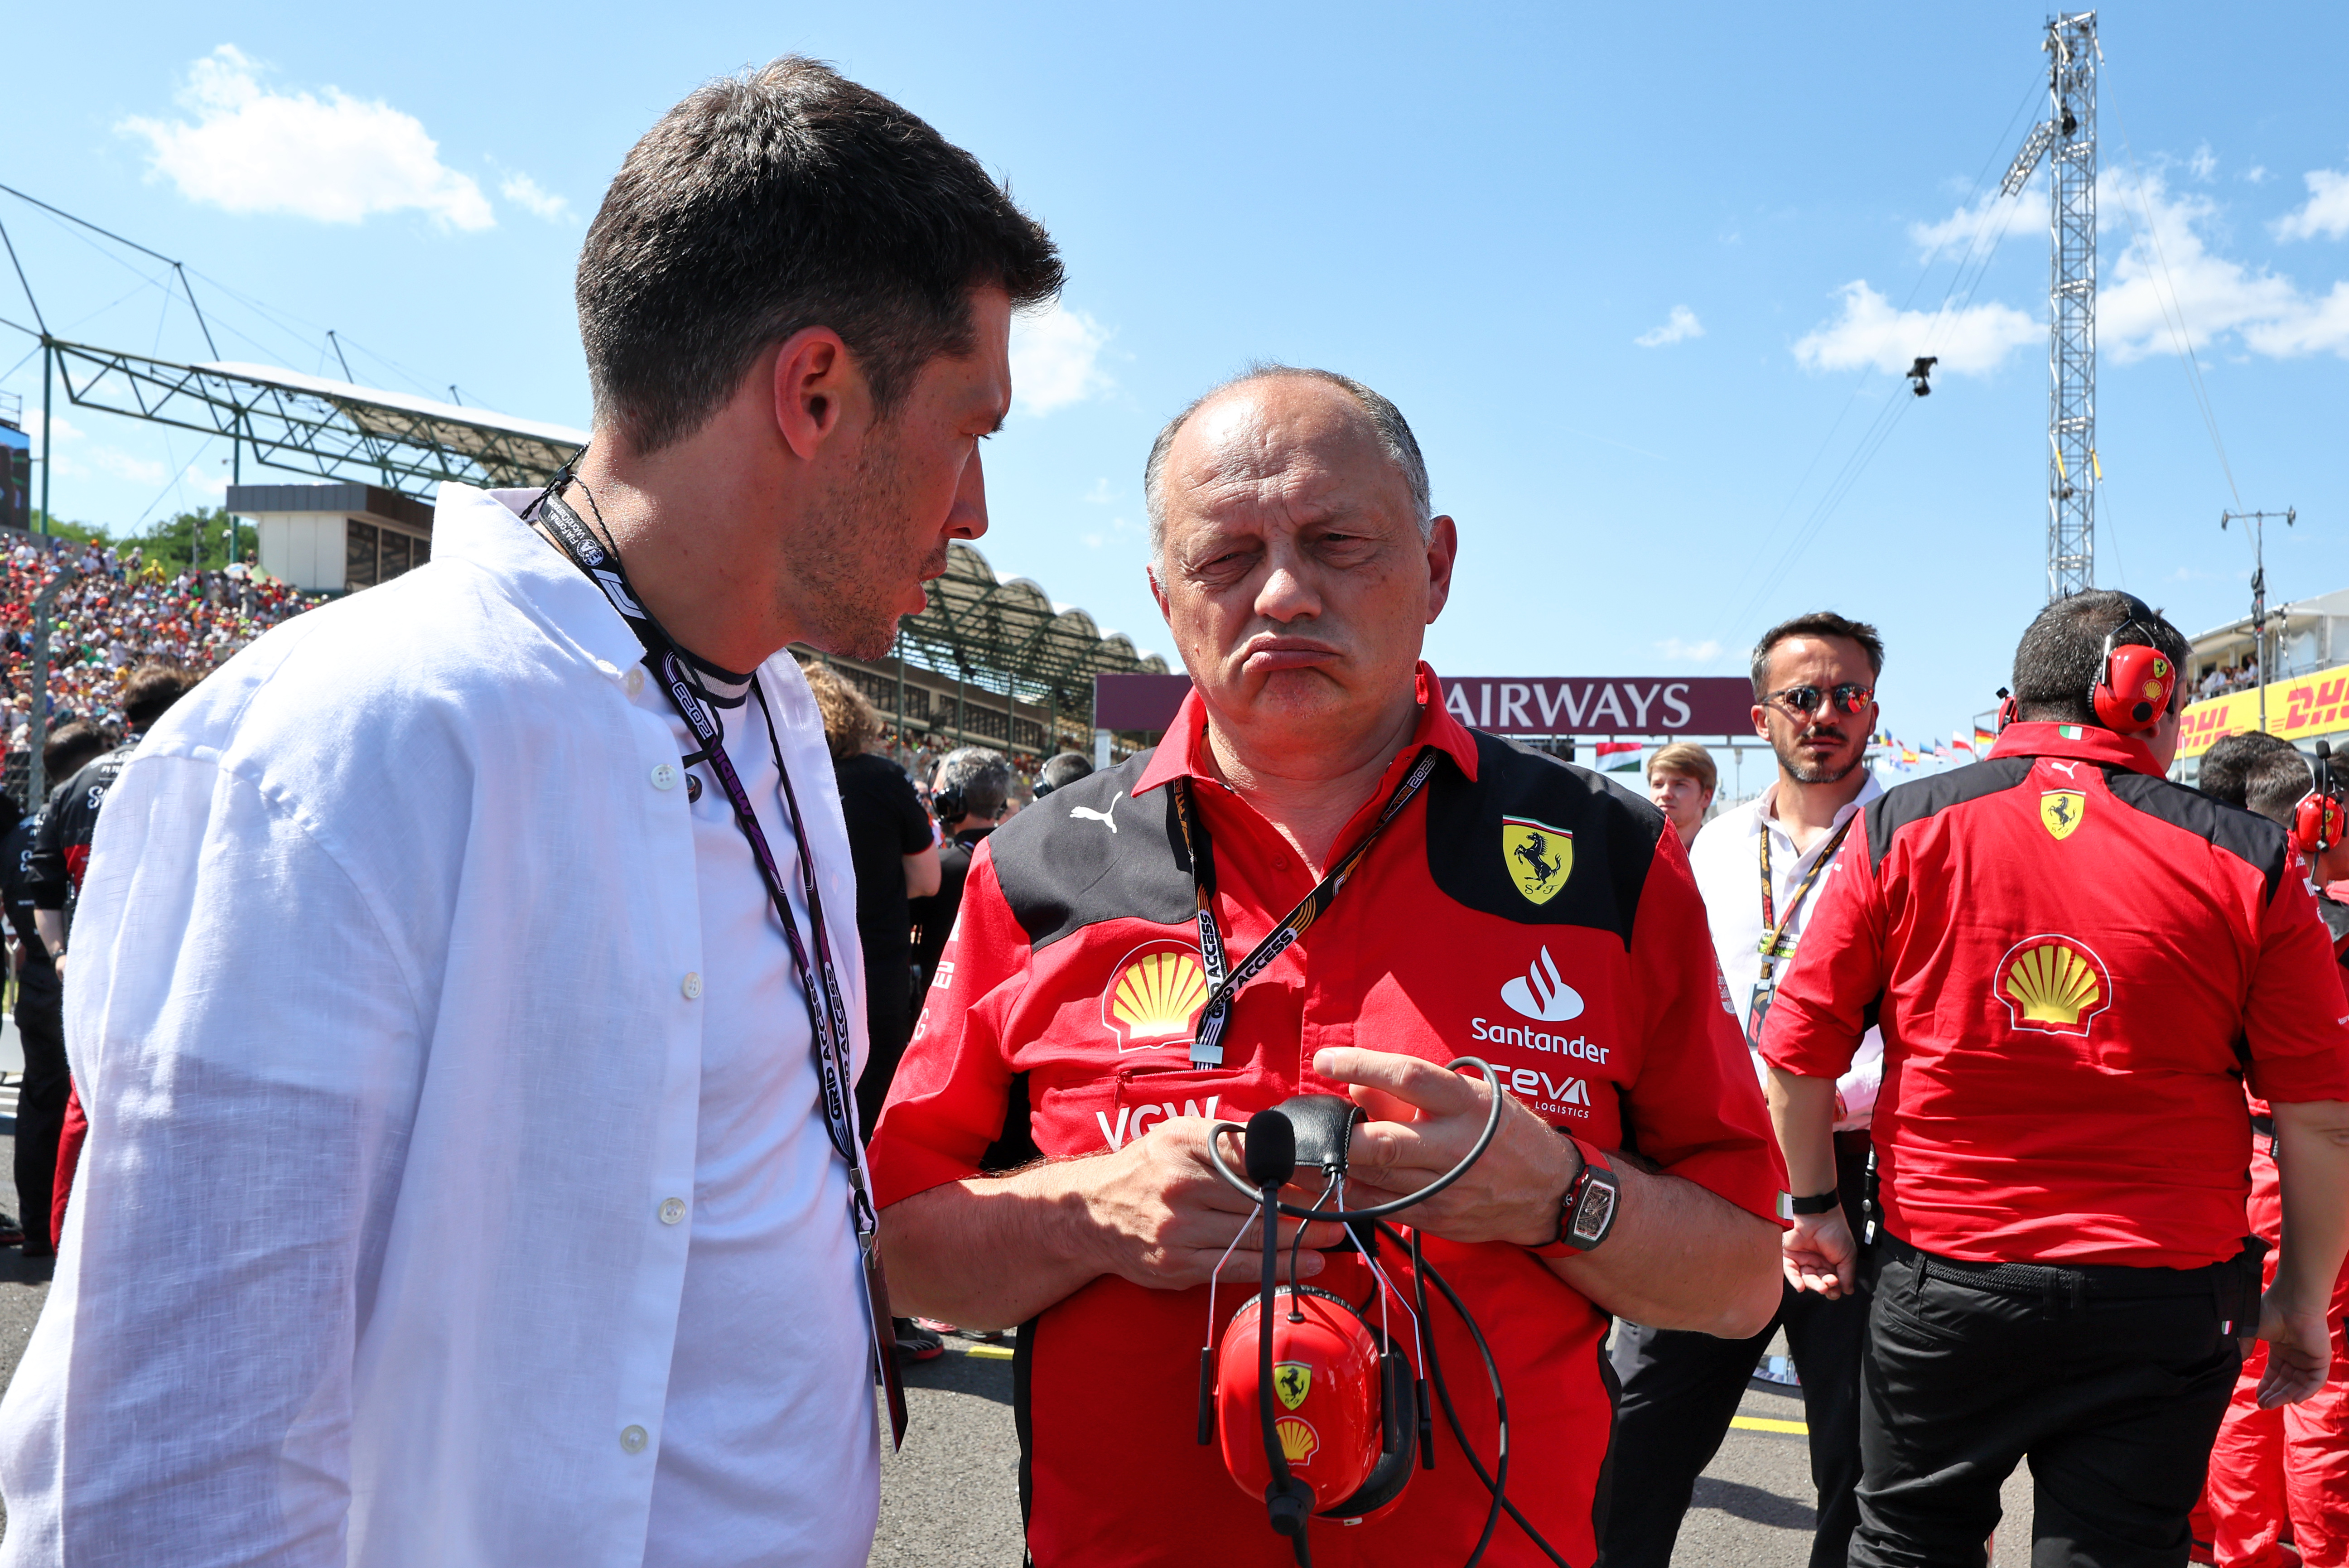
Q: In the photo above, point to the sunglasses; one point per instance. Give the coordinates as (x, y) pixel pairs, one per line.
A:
(1849, 696)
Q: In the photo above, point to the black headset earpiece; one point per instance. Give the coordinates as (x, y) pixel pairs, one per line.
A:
(948, 804)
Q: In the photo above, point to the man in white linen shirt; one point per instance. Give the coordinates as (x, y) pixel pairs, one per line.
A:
(1814, 702)
(457, 1190)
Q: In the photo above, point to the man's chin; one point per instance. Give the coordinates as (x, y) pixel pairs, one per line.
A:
(1813, 773)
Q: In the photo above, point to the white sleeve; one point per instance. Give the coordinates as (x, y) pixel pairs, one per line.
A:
(1858, 1086)
(245, 1040)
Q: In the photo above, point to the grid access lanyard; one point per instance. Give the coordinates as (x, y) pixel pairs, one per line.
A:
(1207, 1046)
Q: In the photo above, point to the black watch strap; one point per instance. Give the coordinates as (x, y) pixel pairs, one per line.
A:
(1820, 1203)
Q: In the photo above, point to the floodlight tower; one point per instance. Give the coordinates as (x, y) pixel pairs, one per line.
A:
(2067, 138)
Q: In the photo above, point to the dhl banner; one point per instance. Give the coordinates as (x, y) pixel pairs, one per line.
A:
(2305, 705)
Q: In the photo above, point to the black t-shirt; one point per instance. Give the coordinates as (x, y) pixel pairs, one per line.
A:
(934, 916)
(16, 895)
(886, 824)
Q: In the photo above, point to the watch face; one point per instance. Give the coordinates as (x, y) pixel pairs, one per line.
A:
(1594, 1214)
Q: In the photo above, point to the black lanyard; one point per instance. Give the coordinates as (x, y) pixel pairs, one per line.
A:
(1207, 1047)
(1773, 930)
(819, 981)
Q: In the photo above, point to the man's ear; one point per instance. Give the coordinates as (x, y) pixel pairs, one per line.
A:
(1443, 551)
(817, 389)
(1158, 592)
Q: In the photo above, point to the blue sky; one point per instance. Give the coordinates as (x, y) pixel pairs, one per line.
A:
(1496, 218)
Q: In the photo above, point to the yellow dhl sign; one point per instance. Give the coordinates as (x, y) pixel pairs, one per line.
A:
(2315, 704)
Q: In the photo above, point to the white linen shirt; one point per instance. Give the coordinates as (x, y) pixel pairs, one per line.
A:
(1727, 860)
(381, 1012)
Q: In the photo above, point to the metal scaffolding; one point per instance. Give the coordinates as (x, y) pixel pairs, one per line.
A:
(2067, 138)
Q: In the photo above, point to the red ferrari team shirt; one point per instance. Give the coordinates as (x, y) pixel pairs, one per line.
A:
(2077, 965)
(1519, 910)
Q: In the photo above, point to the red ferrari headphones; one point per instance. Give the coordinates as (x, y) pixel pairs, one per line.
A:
(2318, 823)
(2134, 682)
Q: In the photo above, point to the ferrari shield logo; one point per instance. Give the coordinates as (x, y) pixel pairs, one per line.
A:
(1539, 857)
(1291, 1380)
(2061, 811)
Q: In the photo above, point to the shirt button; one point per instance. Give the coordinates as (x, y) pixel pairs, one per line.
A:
(665, 776)
(672, 1210)
(635, 680)
(692, 986)
(632, 1439)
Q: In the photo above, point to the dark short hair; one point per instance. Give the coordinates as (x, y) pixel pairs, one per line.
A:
(2061, 656)
(72, 744)
(2277, 783)
(981, 776)
(1066, 769)
(1819, 623)
(777, 200)
(151, 690)
(2226, 770)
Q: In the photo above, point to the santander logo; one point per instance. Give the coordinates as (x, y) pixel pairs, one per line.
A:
(1541, 993)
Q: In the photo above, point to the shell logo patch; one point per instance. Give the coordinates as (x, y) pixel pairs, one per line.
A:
(1154, 995)
(2054, 985)
(1297, 1439)
(1539, 857)
(1292, 1381)
(2061, 811)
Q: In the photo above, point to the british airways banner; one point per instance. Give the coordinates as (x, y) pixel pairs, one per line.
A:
(1504, 705)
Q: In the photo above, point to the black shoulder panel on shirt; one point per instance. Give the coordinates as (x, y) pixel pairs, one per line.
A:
(2248, 837)
(1898, 806)
(1090, 852)
(1479, 857)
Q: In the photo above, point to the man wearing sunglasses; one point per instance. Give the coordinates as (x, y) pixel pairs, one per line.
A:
(1760, 868)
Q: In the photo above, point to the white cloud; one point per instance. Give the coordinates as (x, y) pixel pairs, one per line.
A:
(2256, 173)
(1971, 341)
(525, 193)
(1100, 494)
(1987, 219)
(2205, 162)
(2171, 264)
(1672, 648)
(2326, 214)
(1680, 326)
(337, 159)
(77, 457)
(1055, 357)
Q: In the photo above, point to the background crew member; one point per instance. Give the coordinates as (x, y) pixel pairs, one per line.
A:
(2075, 963)
(1680, 782)
(60, 857)
(970, 794)
(1514, 906)
(40, 1009)
(2280, 1473)
(1814, 701)
(1065, 768)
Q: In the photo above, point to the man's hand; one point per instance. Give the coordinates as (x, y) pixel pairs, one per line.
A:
(1818, 1254)
(1425, 1119)
(1161, 1216)
(2299, 1352)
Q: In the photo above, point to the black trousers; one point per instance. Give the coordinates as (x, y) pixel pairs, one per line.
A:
(1681, 1389)
(2111, 1381)
(40, 1104)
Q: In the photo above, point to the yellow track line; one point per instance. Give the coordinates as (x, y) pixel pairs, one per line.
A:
(1765, 1424)
(988, 1352)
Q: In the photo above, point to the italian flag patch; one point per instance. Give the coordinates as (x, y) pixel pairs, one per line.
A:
(2069, 732)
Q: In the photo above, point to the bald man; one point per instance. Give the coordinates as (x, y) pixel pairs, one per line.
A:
(1496, 901)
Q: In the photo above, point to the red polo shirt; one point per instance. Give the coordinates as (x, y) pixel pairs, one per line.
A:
(2076, 963)
(1520, 908)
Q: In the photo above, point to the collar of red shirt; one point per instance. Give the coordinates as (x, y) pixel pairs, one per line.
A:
(2089, 743)
(1184, 752)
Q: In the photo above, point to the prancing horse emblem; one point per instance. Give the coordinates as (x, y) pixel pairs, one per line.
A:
(1539, 857)
(2061, 811)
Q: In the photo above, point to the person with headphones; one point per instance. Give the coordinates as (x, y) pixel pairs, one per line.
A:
(2076, 965)
(2284, 1470)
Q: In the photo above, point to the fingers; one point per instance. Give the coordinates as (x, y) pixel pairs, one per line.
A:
(1436, 1090)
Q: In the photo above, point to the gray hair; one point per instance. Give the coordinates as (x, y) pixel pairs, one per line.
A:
(983, 776)
(1386, 421)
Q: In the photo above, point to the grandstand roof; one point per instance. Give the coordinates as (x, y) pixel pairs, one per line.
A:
(996, 633)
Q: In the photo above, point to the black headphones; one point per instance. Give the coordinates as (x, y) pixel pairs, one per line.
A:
(948, 804)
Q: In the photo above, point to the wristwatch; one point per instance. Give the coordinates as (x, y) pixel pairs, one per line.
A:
(1587, 1212)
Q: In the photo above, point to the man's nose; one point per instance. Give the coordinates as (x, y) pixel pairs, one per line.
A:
(1287, 594)
(967, 519)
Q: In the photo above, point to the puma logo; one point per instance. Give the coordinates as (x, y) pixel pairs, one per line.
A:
(2064, 768)
(1108, 817)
